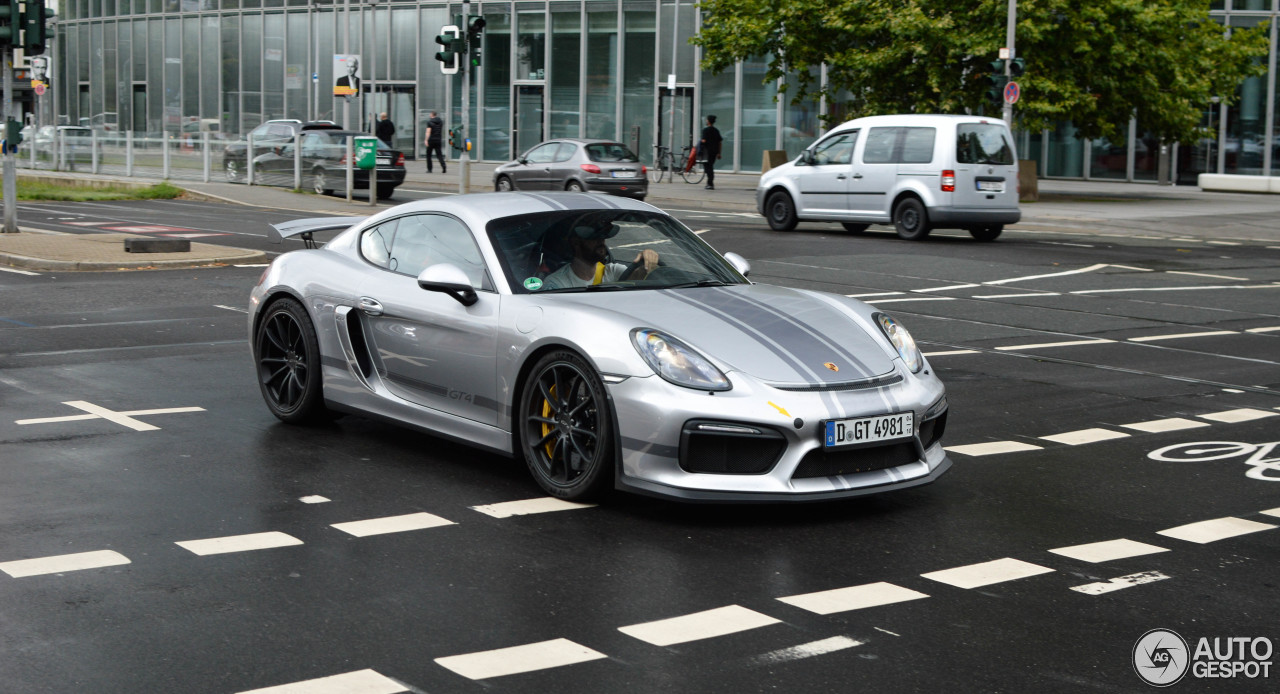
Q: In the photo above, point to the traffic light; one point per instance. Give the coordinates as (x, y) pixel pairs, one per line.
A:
(10, 22)
(998, 81)
(35, 27)
(1017, 66)
(475, 27)
(451, 39)
(12, 135)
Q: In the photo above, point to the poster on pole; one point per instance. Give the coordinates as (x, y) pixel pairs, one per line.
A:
(346, 67)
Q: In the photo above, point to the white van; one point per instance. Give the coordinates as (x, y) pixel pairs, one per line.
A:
(917, 172)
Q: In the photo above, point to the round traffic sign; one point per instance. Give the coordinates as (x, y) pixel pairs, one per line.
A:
(1011, 93)
(40, 89)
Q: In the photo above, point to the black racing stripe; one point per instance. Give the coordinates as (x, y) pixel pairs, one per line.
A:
(650, 448)
(441, 391)
(810, 330)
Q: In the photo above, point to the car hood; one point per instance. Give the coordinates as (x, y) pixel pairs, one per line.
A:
(777, 335)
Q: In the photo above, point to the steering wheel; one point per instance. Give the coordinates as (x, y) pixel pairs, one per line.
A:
(631, 267)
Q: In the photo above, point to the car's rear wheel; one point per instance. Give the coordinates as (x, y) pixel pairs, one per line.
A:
(503, 185)
(385, 192)
(574, 187)
(987, 233)
(320, 182)
(853, 228)
(288, 359)
(231, 168)
(780, 211)
(565, 430)
(910, 219)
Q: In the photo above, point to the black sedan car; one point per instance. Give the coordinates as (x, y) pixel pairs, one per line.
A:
(577, 165)
(324, 164)
(270, 134)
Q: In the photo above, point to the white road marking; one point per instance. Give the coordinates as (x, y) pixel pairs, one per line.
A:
(1204, 274)
(238, 543)
(358, 682)
(1063, 243)
(1043, 345)
(1091, 268)
(1179, 336)
(1083, 436)
(63, 563)
(914, 298)
(1224, 243)
(949, 287)
(700, 231)
(1110, 550)
(1139, 269)
(1237, 416)
(545, 504)
(125, 419)
(1179, 289)
(1157, 426)
(1213, 530)
(392, 524)
(1272, 512)
(699, 625)
(806, 650)
(853, 598)
(951, 352)
(517, 659)
(992, 448)
(252, 265)
(1015, 296)
(232, 308)
(864, 296)
(1120, 583)
(19, 272)
(1272, 329)
(313, 499)
(886, 631)
(987, 573)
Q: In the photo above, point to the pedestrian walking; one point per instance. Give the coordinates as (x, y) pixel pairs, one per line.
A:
(435, 129)
(709, 150)
(385, 130)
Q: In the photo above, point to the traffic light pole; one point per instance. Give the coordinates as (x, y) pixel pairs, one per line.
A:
(464, 62)
(10, 173)
(1008, 41)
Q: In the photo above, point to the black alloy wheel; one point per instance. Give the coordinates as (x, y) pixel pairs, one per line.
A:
(854, 228)
(780, 211)
(910, 219)
(565, 429)
(987, 233)
(320, 183)
(503, 185)
(288, 359)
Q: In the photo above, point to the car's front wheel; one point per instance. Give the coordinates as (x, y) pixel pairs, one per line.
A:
(780, 211)
(565, 430)
(287, 353)
(910, 219)
(503, 185)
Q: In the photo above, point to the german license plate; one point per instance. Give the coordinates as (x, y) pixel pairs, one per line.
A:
(382, 161)
(846, 432)
(623, 174)
(991, 186)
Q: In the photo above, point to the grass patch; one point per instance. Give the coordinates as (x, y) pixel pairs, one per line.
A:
(28, 190)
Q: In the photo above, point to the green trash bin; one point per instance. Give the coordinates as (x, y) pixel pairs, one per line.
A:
(366, 152)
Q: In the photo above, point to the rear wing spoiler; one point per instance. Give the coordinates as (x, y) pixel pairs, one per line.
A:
(304, 228)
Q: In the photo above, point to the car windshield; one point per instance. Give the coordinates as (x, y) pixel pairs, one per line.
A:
(609, 151)
(983, 143)
(536, 251)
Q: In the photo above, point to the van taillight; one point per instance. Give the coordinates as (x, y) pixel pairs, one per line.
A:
(948, 181)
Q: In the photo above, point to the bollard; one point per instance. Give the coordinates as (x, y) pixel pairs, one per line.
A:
(128, 154)
(248, 160)
(205, 138)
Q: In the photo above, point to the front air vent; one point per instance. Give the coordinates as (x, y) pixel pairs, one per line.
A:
(823, 463)
(727, 448)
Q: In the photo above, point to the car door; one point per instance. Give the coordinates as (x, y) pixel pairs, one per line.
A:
(536, 171)
(428, 347)
(875, 174)
(822, 176)
(564, 166)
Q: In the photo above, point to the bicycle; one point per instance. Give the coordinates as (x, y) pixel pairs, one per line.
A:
(686, 164)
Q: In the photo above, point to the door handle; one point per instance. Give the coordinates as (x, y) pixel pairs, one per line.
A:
(857, 175)
(840, 177)
(370, 306)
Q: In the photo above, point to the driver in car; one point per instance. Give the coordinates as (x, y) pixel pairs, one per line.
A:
(590, 264)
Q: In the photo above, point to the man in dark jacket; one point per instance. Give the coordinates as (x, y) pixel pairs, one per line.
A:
(385, 130)
(435, 131)
(709, 150)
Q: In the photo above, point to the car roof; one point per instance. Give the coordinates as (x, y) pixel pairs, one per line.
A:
(478, 209)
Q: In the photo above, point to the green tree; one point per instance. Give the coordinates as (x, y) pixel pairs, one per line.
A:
(1093, 63)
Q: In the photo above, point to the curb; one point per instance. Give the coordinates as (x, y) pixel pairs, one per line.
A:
(29, 263)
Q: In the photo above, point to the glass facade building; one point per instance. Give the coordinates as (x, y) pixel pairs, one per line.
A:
(620, 69)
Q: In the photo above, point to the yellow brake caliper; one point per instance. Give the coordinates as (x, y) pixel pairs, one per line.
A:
(547, 428)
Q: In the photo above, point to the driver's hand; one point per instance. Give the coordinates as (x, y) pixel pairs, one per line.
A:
(650, 258)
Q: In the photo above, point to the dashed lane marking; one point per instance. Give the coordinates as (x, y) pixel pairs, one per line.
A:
(1043, 345)
(125, 419)
(313, 499)
(950, 352)
(987, 573)
(63, 563)
(527, 506)
(913, 298)
(1083, 436)
(1237, 416)
(699, 625)
(853, 598)
(806, 650)
(238, 543)
(1180, 336)
(237, 309)
(1272, 512)
(992, 448)
(1208, 531)
(1110, 550)
(517, 659)
(358, 682)
(392, 524)
(1158, 426)
(1269, 329)
(1120, 583)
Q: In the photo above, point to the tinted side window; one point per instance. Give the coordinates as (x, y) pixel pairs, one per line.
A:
(982, 143)
(609, 151)
(375, 243)
(917, 145)
(880, 145)
(424, 240)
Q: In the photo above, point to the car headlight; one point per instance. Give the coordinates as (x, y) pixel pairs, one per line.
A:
(902, 341)
(677, 362)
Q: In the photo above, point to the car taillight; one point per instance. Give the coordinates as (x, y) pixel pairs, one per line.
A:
(643, 169)
(590, 168)
(400, 160)
(948, 181)
(342, 161)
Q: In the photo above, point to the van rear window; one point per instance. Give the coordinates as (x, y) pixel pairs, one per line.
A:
(983, 143)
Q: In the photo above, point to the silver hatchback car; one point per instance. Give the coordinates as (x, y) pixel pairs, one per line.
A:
(585, 166)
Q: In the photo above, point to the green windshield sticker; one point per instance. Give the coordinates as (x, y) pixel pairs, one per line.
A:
(533, 284)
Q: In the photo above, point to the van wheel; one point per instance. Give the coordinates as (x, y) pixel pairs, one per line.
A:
(910, 219)
(854, 228)
(989, 233)
(780, 211)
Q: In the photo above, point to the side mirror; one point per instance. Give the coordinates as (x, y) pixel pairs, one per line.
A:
(522, 160)
(739, 263)
(449, 279)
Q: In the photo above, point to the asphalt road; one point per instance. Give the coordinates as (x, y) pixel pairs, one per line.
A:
(1082, 368)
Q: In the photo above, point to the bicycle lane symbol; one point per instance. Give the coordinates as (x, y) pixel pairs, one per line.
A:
(1263, 457)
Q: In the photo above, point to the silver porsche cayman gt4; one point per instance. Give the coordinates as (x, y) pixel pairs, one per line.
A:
(604, 343)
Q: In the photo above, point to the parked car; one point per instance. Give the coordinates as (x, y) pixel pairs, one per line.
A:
(77, 144)
(918, 172)
(324, 164)
(572, 164)
(445, 315)
(265, 137)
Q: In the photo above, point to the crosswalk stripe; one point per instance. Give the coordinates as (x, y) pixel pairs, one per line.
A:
(1083, 436)
(853, 598)
(1237, 416)
(1157, 426)
(545, 504)
(1179, 336)
(392, 524)
(987, 573)
(1110, 550)
(1273, 512)
(992, 448)
(699, 625)
(238, 543)
(63, 563)
(517, 659)
(1120, 583)
(358, 682)
(1214, 530)
(806, 650)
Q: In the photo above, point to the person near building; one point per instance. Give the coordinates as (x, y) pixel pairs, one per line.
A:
(385, 130)
(435, 131)
(709, 150)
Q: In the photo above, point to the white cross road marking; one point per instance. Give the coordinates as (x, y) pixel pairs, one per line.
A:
(914, 298)
(1237, 416)
(392, 524)
(1109, 550)
(1091, 268)
(1019, 295)
(1213, 530)
(1272, 512)
(699, 625)
(992, 448)
(951, 352)
(946, 288)
(238, 543)
(1120, 583)
(1179, 336)
(313, 499)
(125, 419)
(546, 504)
(232, 308)
(806, 650)
(1157, 426)
(517, 659)
(358, 682)
(1083, 436)
(863, 296)
(853, 598)
(1072, 343)
(987, 573)
(63, 563)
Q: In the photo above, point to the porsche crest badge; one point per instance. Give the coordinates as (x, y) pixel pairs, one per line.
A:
(831, 366)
